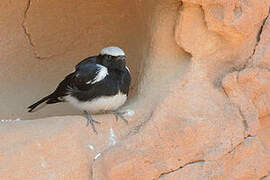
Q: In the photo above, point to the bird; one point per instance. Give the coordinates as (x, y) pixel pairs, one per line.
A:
(98, 84)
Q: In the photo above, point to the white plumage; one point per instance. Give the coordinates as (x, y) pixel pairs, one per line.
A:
(103, 103)
(128, 69)
(102, 73)
(113, 51)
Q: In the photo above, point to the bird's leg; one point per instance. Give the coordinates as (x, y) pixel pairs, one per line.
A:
(90, 120)
(121, 115)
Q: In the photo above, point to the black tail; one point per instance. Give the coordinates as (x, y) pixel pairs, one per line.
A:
(33, 106)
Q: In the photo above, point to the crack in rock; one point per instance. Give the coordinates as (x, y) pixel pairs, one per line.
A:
(249, 59)
(260, 32)
(235, 147)
(226, 94)
(179, 168)
(26, 31)
(257, 41)
(244, 120)
(28, 35)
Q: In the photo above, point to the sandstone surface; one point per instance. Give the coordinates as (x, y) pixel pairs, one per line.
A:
(200, 92)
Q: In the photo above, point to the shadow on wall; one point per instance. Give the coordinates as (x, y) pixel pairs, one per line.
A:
(41, 41)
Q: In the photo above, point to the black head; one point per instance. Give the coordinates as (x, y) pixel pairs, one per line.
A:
(113, 58)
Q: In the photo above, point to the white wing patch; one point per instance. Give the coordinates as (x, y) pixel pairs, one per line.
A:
(102, 73)
(128, 69)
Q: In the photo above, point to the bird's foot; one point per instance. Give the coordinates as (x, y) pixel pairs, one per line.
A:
(91, 121)
(118, 114)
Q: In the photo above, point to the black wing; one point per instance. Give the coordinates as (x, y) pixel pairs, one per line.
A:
(80, 80)
(92, 59)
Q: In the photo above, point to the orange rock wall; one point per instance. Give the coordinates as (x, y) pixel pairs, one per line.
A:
(200, 92)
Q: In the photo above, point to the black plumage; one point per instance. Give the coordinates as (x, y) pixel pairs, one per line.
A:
(97, 79)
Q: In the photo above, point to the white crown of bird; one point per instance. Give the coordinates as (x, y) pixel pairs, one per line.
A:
(112, 51)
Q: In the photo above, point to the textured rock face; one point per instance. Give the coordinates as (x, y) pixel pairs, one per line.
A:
(202, 106)
(44, 150)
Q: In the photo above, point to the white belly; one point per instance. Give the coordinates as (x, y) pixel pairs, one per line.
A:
(103, 103)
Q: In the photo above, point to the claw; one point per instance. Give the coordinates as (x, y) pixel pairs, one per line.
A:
(120, 114)
(91, 121)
